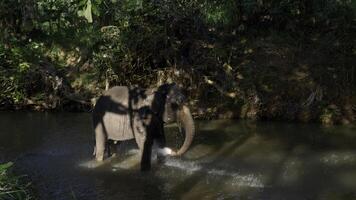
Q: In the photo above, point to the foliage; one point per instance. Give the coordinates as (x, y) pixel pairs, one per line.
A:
(262, 59)
(12, 187)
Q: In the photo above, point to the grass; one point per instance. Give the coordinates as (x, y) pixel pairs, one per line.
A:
(13, 187)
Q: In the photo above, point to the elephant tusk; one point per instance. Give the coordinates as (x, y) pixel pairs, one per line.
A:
(174, 153)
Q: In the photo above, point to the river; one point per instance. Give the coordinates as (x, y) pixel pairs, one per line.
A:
(228, 160)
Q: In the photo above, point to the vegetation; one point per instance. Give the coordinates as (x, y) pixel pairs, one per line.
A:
(255, 59)
(12, 187)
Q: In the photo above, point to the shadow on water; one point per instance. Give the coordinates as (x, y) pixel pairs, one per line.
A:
(228, 160)
(292, 161)
(303, 172)
(306, 141)
(194, 179)
(49, 148)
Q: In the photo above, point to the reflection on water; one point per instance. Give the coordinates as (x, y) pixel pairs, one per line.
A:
(228, 160)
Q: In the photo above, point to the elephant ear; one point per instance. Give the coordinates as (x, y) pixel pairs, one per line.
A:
(185, 120)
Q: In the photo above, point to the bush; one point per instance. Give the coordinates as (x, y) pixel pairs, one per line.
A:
(13, 187)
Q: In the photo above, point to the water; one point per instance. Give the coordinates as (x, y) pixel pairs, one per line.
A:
(228, 160)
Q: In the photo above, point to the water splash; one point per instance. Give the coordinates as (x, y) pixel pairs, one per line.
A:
(237, 179)
(189, 167)
(339, 158)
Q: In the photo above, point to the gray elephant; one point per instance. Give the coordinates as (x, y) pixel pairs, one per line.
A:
(124, 113)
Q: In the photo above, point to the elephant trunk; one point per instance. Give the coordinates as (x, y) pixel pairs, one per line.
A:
(185, 119)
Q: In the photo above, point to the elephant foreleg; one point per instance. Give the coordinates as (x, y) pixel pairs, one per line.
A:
(112, 148)
(100, 140)
(146, 155)
(145, 146)
(140, 140)
(161, 138)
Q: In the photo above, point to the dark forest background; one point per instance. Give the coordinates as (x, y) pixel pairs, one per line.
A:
(256, 59)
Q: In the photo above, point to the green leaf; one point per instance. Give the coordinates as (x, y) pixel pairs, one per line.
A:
(98, 2)
(95, 10)
(82, 3)
(80, 13)
(5, 166)
(88, 13)
(353, 5)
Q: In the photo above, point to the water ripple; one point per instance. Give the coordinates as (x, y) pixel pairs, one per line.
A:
(237, 179)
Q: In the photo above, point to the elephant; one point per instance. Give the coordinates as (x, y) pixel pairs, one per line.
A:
(129, 112)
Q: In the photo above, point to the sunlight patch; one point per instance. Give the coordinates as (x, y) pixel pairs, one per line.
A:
(237, 179)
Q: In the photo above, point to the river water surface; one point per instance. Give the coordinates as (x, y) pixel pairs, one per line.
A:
(228, 160)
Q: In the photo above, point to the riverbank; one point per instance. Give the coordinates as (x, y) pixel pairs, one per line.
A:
(274, 79)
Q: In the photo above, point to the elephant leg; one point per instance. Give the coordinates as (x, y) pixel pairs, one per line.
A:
(100, 141)
(108, 148)
(161, 138)
(146, 155)
(112, 148)
(145, 146)
(140, 140)
(161, 143)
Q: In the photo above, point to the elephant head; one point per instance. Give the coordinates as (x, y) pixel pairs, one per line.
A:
(124, 113)
(176, 110)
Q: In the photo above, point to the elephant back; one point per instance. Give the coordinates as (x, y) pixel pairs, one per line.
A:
(114, 112)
